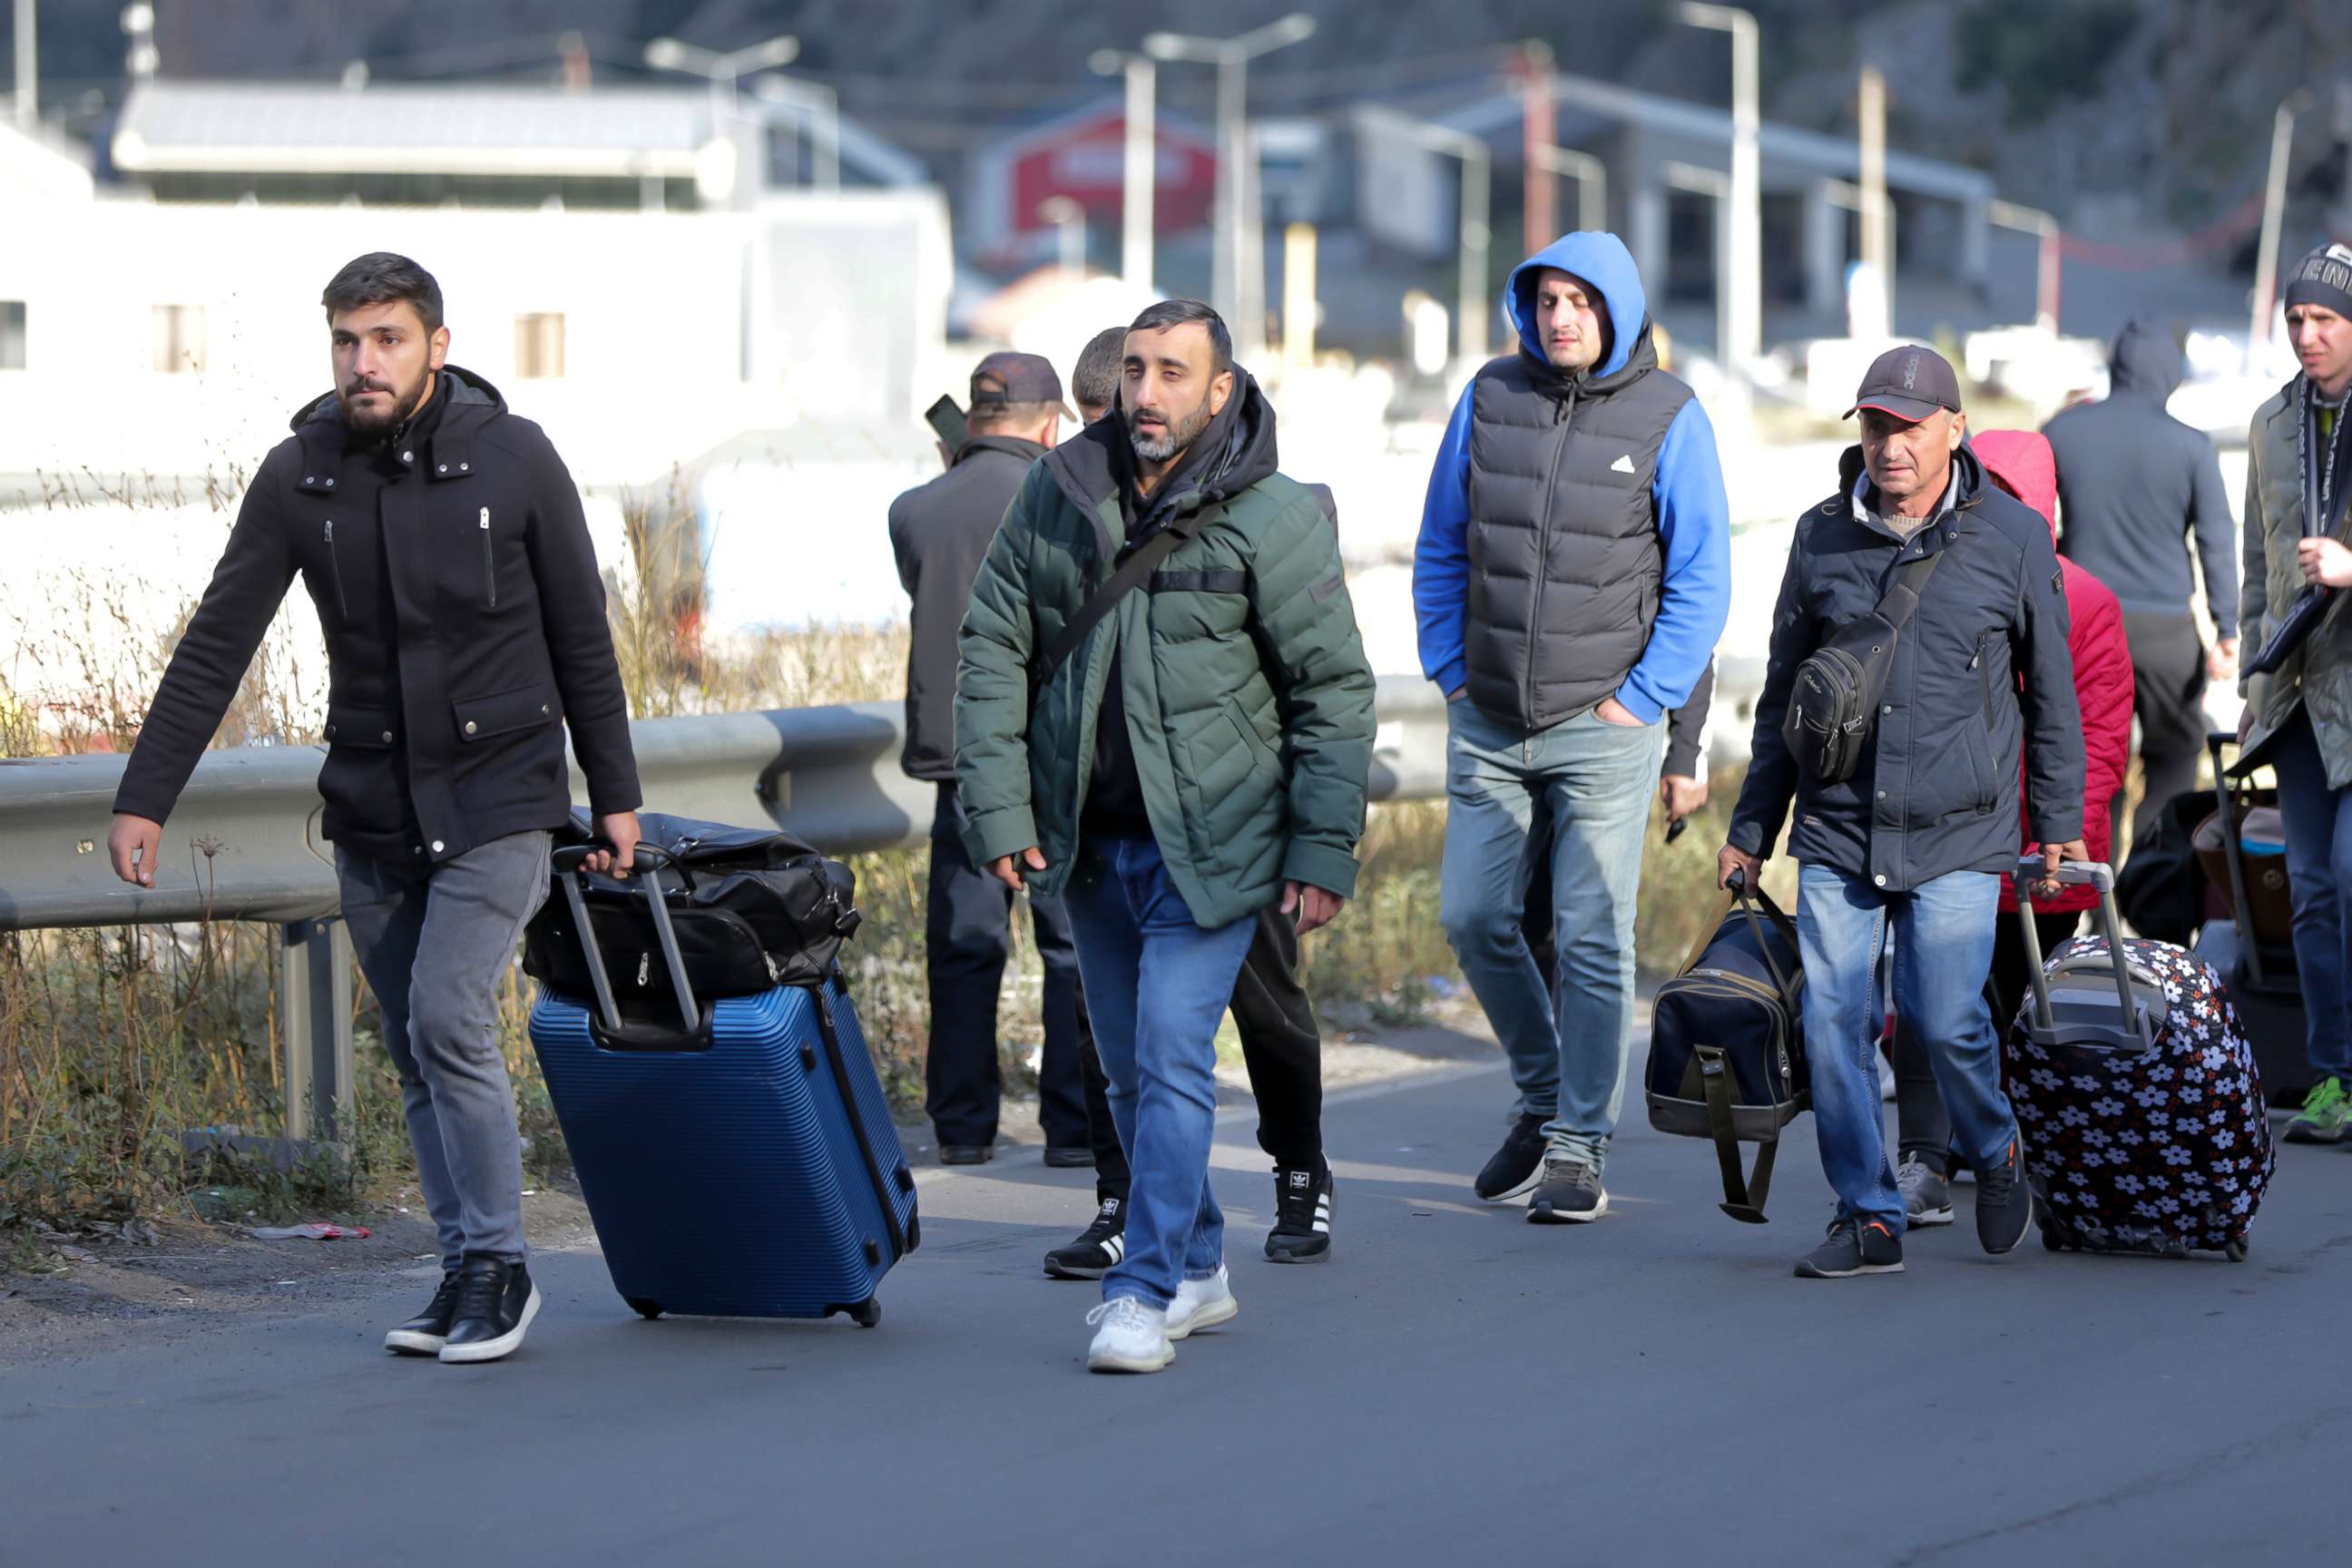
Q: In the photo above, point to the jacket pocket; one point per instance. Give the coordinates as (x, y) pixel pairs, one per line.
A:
(369, 728)
(335, 572)
(506, 712)
(1980, 752)
(1260, 753)
(489, 560)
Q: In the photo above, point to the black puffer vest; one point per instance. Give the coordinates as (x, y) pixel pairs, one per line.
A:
(1565, 559)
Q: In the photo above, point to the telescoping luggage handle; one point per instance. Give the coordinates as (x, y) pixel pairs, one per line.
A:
(2233, 856)
(566, 863)
(2073, 873)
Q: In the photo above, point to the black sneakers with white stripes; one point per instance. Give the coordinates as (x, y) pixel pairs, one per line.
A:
(1302, 1214)
(1097, 1248)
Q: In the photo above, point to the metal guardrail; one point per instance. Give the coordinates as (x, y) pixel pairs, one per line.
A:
(244, 841)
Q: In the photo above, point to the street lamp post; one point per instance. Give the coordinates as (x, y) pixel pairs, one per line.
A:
(668, 54)
(1478, 176)
(1744, 316)
(1139, 192)
(2034, 221)
(1591, 177)
(2266, 258)
(1233, 269)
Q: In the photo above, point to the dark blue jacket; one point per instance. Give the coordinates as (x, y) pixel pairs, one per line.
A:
(2133, 483)
(1937, 788)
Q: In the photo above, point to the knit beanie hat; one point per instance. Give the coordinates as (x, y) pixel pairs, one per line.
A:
(2325, 279)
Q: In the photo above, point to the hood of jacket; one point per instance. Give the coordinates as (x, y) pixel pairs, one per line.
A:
(458, 388)
(1236, 451)
(1602, 261)
(2023, 460)
(2145, 362)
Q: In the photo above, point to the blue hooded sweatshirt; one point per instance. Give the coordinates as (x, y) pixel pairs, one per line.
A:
(1687, 490)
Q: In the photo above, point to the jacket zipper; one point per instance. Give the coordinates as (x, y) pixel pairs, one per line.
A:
(1984, 687)
(335, 571)
(1543, 550)
(489, 562)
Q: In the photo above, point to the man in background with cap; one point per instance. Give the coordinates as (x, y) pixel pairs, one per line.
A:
(2299, 717)
(1920, 835)
(939, 532)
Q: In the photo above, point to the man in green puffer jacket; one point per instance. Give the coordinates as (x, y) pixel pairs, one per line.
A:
(1198, 754)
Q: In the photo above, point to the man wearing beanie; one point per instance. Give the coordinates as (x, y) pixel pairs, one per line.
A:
(1911, 841)
(2299, 716)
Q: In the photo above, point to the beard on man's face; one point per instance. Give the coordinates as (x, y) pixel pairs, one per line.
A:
(1165, 441)
(380, 414)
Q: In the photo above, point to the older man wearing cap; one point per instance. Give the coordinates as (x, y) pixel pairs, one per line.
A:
(939, 532)
(1916, 836)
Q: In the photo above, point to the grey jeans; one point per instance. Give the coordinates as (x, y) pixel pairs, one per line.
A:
(434, 941)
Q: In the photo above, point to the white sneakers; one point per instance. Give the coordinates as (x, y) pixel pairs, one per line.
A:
(1135, 1336)
(1201, 1304)
(1132, 1337)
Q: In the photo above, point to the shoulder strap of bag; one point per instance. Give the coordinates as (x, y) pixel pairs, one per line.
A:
(1743, 1197)
(1130, 575)
(1902, 596)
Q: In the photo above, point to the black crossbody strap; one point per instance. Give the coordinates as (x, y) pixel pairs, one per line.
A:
(1902, 596)
(1130, 575)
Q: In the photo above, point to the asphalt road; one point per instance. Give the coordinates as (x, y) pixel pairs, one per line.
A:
(1452, 1385)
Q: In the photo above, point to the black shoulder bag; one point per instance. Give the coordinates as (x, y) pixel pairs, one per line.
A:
(1835, 700)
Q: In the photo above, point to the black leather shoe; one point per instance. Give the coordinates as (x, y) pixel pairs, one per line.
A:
(966, 1154)
(496, 1302)
(423, 1334)
(1069, 1159)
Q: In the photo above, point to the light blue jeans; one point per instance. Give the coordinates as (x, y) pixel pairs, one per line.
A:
(1156, 984)
(1940, 954)
(1596, 780)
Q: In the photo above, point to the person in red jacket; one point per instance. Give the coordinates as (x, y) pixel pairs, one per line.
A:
(2023, 465)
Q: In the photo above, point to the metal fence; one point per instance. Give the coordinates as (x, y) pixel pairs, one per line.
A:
(244, 842)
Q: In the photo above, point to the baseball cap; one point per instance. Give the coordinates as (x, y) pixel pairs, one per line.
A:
(1008, 377)
(1908, 382)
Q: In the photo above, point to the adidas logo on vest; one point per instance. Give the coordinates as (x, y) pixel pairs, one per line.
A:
(1624, 465)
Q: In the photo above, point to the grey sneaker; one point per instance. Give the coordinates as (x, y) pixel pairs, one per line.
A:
(1569, 1194)
(1927, 1196)
(1854, 1247)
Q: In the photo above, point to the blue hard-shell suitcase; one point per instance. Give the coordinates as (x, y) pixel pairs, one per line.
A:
(737, 1160)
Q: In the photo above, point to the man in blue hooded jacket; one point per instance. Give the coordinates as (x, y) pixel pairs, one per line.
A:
(1571, 578)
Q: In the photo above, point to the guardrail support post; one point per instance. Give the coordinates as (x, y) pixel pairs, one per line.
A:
(314, 1002)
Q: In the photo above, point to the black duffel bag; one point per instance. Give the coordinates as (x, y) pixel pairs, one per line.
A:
(754, 908)
(1727, 1044)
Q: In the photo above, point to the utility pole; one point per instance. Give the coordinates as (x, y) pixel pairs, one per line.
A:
(1878, 246)
(2266, 258)
(1539, 125)
(29, 74)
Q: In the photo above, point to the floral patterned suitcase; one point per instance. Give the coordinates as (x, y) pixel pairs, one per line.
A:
(2144, 1130)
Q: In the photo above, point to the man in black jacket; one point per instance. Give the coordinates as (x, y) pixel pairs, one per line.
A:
(939, 532)
(1918, 837)
(442, 541)
(2134, 484)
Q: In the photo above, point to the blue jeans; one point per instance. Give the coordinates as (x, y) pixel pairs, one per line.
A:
(2318, 822)
(1941, 952)
(1596, 780)
(1156, 983)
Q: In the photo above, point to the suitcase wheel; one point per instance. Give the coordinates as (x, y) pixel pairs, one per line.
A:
(2236, 1252)
(866, 1313)
(645, 1307)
